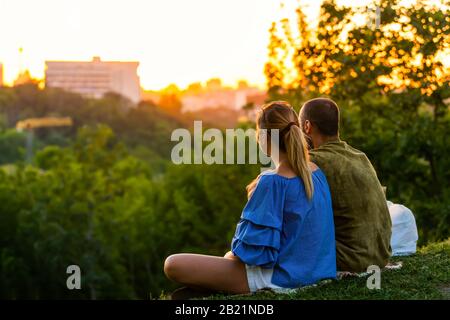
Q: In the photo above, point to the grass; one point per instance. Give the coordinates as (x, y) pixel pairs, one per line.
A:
(425, 275)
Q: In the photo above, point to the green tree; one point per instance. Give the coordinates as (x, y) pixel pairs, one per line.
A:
(393, 90)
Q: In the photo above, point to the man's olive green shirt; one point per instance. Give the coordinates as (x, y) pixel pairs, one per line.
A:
(361, 216)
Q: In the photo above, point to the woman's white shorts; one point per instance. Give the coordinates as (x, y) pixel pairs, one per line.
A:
(260, 278)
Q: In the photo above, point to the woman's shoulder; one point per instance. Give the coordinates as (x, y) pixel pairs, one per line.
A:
(267, 177)
(273, 179)
(274, 175)
(312, 166)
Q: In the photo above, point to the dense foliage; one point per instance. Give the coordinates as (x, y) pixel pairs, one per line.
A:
(95, 206)
(393, 90)
(144, 128)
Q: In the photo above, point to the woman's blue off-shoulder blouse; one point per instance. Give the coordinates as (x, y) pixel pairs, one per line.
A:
(281, 229)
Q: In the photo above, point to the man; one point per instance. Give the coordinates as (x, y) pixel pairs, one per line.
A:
(361, 216)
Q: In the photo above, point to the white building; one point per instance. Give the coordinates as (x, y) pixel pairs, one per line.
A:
(233, 99)
(223, 99)
(94, 78)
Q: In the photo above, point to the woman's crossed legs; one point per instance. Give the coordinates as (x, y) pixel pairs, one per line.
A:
(224, 274)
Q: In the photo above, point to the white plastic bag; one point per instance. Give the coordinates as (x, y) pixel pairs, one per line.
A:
(404, 230)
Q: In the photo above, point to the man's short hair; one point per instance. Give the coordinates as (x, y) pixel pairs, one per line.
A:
(323, 113)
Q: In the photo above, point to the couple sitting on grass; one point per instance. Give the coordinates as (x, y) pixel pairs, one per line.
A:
(318, 212)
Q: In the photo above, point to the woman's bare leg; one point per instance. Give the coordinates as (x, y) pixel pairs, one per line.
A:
(208, 272)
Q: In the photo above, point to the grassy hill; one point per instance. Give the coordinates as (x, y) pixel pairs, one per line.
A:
(425, 275)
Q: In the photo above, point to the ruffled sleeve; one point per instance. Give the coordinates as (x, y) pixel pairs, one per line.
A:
(257, 237)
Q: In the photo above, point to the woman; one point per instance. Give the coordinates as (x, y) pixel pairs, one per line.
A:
(285, 237)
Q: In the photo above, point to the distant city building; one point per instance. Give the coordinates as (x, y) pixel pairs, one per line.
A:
(95, 78)
(197, 97)
(1, 75)
(233, 99)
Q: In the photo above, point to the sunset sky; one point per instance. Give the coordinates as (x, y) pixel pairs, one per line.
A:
(176, 41)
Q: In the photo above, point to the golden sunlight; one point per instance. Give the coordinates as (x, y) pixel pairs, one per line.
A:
(175, 41)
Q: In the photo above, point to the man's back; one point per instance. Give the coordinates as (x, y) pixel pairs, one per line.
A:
(361, 216)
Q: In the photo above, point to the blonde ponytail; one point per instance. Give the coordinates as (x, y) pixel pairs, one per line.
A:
(298, 157)
(281, 116)
(251, 187)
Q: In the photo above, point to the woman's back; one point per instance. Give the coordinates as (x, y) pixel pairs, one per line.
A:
(285, 237)
(281, 229)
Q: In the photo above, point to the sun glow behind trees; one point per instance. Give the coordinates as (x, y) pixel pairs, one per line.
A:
(410, 47)
(176, 41)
